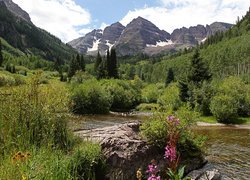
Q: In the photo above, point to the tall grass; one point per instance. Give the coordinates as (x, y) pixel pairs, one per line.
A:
(33, 119)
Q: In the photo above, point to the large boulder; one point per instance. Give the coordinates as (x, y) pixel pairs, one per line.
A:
(126, 151)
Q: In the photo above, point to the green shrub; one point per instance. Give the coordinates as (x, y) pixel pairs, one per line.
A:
(148, 107)
(151, 92)
(81, 77)
(170, 99)
(90, 98)
(231, 100)
(123, 94)
(224, 108)
(155, 129)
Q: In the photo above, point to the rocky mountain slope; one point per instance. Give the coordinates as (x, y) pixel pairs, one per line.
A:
(142, 36)
(18, 30)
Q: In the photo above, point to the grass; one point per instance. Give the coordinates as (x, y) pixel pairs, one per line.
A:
(32, 120)
(212, 119)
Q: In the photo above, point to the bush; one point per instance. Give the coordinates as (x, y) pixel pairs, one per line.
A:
(224, 108)
(8, 79)
(155, 129)
(123, 94)
(90, 98)
(144, 107)
(151, 93)
(170, 99)
(231, 90)
(81, 77)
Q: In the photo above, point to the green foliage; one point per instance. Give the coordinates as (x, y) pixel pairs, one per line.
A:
(155, 129)
(145, 107)
(112, 64)
(179, 175)
(87, 162)
(198, 72)
(8, 79)
(170, 77)
(124, 95)
(231, 100)
(90, 98)
(151, 92)
(224, 108)
(81, 77)
(84, 162)
(1, 54)
(28, 117)
(76, 64)
(170, 98)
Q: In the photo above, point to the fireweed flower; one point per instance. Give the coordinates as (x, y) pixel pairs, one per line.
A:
(153, 177)
(153, 170)
(170, 153)
(173, 119)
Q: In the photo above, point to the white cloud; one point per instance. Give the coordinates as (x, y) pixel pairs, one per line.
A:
(174, 14)
(59, 17)
(103, 25)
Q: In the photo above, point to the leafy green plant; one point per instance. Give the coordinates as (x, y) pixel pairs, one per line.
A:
(90, 98)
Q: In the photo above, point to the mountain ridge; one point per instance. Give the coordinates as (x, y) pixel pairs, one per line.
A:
(142, 36)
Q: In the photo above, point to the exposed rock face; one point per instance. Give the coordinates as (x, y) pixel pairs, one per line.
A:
(15, 9)
(87, 43)
(138, 34)
(112, 33)
(126, 151)
(142, 36)
(98, 40)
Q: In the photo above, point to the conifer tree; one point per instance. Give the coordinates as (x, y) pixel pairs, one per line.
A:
(98, 61)
(72, 67)
(1, 55)
(170, 76)
(198, 72)
(82, 63)
(112, 68)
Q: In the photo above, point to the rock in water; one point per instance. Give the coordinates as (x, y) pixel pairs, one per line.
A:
(126, 151)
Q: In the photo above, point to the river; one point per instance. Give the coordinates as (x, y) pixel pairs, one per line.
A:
(228, 148)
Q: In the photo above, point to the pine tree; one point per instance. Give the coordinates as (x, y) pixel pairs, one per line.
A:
(98, 61)
(1, 55)
(183, 86)
(170, 76)
(198, 72)
(72, 67)
(82, 63)
(112, 67)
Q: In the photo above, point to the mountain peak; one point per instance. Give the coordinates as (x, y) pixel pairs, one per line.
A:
(16, 10)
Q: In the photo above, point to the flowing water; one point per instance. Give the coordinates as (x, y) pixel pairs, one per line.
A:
(228, 148)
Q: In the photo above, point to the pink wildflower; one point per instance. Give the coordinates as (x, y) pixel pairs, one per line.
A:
(173, 119)
(153, 177)
(170, 153)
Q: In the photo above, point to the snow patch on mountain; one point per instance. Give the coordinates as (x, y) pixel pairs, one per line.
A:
(161, 44)
(95, 45)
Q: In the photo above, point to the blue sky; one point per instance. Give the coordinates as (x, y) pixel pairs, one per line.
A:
(110, 11)
(70, 19)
